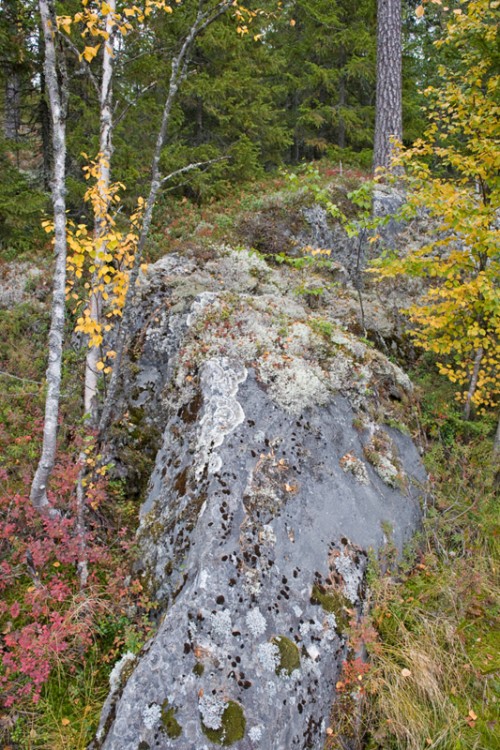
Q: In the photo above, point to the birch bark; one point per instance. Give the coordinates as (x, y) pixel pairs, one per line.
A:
(101, 223)
(57, 91)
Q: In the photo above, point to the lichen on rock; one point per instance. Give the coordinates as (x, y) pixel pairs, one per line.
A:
(243, 533)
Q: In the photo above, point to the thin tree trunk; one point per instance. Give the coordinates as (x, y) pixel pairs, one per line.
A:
(389, 108)
(101, 224)
(12, 121)
(342, 99)
(341, 130)
(496, 442)
(473, 382)
(57, 99)
(177, 75)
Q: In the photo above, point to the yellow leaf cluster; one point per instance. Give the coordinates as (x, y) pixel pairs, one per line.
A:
(98, 20)
(458, 318)
(99, 261)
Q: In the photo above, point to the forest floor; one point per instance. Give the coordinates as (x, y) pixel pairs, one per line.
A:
(432, 633)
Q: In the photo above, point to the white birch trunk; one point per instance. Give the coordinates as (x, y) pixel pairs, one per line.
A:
(177, 75)
(473, 382)
(101, 225)
(57, 101)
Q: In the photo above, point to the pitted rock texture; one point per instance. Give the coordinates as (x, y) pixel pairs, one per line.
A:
(267, 493)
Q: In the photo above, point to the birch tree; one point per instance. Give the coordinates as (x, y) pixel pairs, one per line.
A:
(103, 184)
(205, 16)
(56, 83)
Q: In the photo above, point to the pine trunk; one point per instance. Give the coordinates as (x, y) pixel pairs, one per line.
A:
(388, 117)
(12, 122)
(57, 99)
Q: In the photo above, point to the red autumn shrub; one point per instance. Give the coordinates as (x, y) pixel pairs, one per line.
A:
(45, 619)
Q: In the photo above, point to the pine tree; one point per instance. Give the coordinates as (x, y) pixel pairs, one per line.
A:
(389, 109)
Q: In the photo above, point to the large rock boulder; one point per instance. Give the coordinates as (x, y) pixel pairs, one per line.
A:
(276, 475)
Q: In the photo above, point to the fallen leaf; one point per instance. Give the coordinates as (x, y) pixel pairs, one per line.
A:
(472, 715)
(405, 672)
(65, 722)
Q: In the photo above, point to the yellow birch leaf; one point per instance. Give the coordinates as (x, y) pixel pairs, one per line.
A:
(90, 52)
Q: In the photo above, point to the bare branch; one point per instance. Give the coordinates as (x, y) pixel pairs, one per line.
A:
(143, 91)
(189, 167)
(23, 380)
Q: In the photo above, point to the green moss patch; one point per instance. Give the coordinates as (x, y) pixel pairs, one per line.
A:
(232, 727)
(332, 601)
(198, 669)
(289, 655)
(170, 724)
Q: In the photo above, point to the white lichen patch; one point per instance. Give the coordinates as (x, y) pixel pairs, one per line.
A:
(352, 575)
(267, 535)
(386, 470)
(295, 384)
(313, 652)
(151, 715)
(220, 379)
(115, 678)
(331, 621)
(268, 655)
(221, 624)
(199, 307)
(382, 454)
(255, 733)
(211, 709)
(350, 464)
(256, 622)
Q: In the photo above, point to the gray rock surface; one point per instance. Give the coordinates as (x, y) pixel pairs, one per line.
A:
(275, 476)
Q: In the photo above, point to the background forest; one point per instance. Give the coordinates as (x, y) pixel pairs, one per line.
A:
(296, 83)
(275, 96)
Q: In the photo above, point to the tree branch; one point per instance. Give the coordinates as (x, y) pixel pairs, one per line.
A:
(189, 167)
(143, 91)
(83, 68)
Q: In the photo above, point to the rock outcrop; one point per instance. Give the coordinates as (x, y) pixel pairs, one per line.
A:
(277, 474)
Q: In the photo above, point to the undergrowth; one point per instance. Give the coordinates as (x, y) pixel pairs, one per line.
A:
(58, 643)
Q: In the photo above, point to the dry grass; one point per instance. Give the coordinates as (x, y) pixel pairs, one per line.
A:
(435, 672)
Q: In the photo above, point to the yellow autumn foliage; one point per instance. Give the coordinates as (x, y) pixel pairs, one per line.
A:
(453, 174)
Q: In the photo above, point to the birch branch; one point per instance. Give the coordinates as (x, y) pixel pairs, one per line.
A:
(141, 93)
(190, 167)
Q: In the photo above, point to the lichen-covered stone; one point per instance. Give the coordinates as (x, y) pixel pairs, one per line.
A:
(253, 534)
